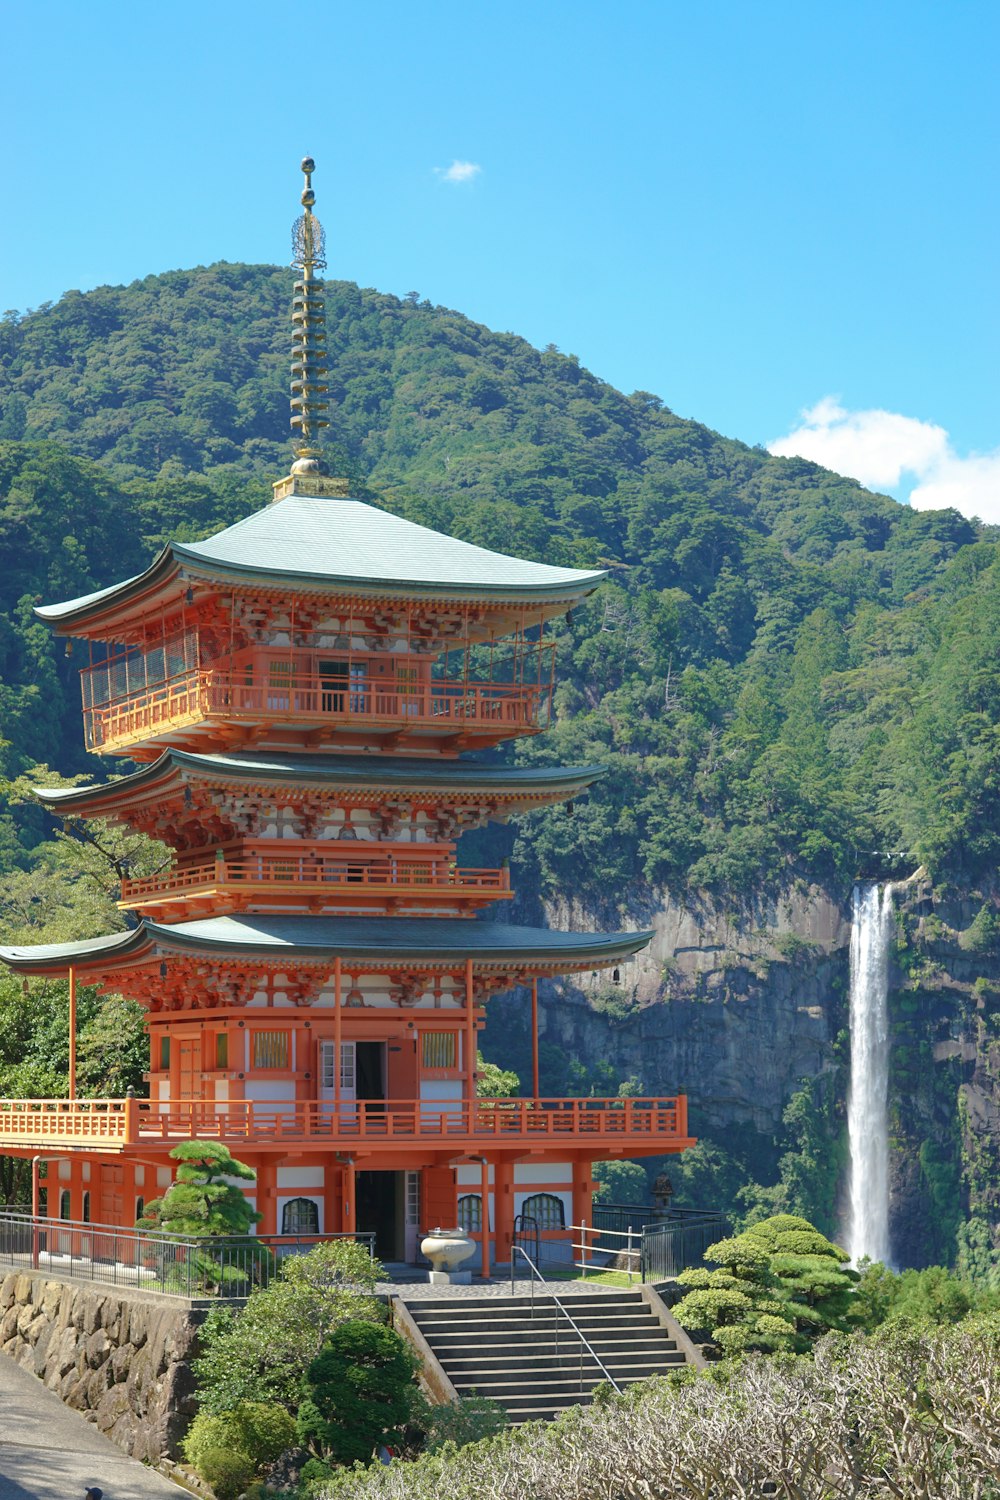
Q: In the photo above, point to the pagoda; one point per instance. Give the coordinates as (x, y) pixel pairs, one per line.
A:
(302, 695)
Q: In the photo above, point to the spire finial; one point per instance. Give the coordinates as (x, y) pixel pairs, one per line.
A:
(310, 406)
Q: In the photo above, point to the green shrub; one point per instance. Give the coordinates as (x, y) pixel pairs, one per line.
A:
(259, 1353)
(227, 1471)
(261, 1431)
(357, 1393)
(459, 1422)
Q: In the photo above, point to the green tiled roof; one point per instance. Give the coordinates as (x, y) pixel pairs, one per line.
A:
(405, 773)
(347, 543)
(401, 939)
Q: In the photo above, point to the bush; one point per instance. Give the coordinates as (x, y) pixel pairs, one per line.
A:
(905, 1411)
(227, 1471)
(259, 1353)
(459, 1422)
(262, 1432)
(357, 1393)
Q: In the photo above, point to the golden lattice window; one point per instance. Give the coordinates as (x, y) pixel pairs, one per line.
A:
(270, 1049)
(439, 1049)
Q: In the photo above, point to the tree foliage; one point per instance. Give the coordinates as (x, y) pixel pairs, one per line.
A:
(258, 1353)
(778, 1285)
(782, 668)
(356, 1393)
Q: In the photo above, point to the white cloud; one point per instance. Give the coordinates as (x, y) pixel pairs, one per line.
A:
(885, 450)
(459, 171)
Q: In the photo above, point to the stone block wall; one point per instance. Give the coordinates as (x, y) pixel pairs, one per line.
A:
(120, 1358)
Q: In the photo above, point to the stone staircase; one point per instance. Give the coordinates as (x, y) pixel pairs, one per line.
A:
(528, 1358)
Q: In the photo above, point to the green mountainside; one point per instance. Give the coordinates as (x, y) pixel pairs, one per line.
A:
(784, 669)
(783, 673)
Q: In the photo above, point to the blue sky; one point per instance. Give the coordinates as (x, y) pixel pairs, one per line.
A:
(750, 209)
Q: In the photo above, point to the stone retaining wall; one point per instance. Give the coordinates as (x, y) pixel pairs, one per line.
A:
(120, 1358)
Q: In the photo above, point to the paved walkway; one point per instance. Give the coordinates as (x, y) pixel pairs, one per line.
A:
(48, 1452)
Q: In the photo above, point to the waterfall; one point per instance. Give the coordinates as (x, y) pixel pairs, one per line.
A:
(867, 1105)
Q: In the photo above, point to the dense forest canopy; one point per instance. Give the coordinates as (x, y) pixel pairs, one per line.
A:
(782, 670)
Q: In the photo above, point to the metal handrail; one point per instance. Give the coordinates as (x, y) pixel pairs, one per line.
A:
(516, 1250)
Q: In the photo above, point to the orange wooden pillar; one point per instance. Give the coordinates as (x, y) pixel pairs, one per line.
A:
(534, 1039)
(267, 1196)
(338, 1023)
(485, 1190)
(72, 1032)
(583, 1192)
(350, 1214)
(503, 1208)
(470, 1034)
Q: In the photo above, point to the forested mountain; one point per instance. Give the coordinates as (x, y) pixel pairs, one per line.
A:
(784, 668)
(784, 673)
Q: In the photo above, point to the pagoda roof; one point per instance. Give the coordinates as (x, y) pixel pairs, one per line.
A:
(377, 939)
(327, 544)
(405, 774)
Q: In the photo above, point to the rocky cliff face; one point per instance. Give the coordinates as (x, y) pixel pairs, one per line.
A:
(739, 1005)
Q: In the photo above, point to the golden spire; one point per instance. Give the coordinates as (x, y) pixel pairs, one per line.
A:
(310, 404)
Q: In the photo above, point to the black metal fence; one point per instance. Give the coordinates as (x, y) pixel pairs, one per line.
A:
(680, 1241)
(230, 1267)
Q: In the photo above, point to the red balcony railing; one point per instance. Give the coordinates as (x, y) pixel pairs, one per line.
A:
(200, 694)
(307, 875)
(417, 1123)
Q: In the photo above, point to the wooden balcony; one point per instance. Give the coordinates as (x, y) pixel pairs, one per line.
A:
(204, 707)
(620, 1126)
(316, 881)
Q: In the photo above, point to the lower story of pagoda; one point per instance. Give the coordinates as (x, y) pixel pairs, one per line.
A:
(345, 1183)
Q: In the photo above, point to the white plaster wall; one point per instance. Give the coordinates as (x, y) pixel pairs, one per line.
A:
(554, 1171)
(300, 1177)
(278, 1091)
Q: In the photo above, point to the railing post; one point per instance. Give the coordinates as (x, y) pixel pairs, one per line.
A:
(131, 1117)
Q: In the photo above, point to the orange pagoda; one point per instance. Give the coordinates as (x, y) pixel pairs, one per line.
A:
(300, 694)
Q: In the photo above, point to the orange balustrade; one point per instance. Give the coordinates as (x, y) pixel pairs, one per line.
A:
(661, 1122)
(317, 872)
(197, 695)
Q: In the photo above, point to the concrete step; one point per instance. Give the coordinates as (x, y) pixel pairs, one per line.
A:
(514, 1392)
(528, 1356)
(489, 1338)
(478, 1307)
(589, 1317)
(526, 1319)
(547, 1358)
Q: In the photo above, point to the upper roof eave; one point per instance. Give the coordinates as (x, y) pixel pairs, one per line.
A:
(366, 551)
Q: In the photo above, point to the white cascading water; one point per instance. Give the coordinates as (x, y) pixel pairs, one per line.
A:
(867, 1104)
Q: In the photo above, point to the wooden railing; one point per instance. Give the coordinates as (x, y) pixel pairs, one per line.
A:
(206, 693)
(309, 874)
(50, 1122)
